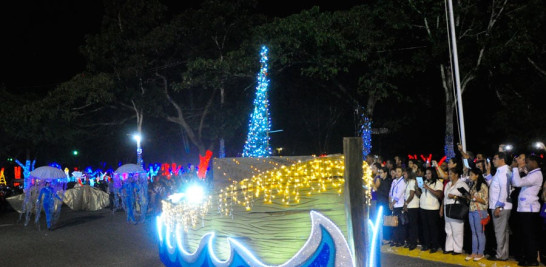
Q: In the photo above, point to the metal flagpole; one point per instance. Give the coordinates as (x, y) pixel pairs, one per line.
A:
(455, 68)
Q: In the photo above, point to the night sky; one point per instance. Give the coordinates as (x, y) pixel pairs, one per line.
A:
(40, 43)
(41, 39)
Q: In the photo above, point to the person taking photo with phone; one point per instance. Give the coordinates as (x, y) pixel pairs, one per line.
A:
(429, 202)
(528, 208)
(500, 204)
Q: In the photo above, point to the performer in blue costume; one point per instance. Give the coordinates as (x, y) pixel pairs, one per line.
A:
(48, 202)
(142, 189)
(129, 200)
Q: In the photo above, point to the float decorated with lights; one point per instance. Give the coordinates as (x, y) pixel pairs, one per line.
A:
(290, 212)
(261, 210)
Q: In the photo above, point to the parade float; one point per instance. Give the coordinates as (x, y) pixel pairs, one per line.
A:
(290, 211)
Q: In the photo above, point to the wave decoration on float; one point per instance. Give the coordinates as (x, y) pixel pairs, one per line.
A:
(325, 246)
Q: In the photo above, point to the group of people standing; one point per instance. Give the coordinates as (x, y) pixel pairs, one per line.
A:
(426, 197)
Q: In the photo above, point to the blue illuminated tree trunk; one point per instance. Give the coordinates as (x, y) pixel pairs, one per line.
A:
(366, 134)
(257, 142)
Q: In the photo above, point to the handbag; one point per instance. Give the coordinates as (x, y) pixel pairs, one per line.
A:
(390, 220)
(457, 210)
(485, 220)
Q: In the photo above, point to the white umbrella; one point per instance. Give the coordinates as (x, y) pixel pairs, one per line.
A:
(47, 172)
(130, 168)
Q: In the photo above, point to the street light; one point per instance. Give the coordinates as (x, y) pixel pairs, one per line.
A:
(75, 152)
(539, 145)
(138, 138)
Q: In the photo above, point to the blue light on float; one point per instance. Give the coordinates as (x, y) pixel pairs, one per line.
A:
(374, 227)
(159, 225)
(326, 239)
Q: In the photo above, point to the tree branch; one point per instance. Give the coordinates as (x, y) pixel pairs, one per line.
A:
(205, 111)
(539, 69)
(180, 120)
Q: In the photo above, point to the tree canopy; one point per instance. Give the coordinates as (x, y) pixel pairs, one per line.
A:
(185, 80)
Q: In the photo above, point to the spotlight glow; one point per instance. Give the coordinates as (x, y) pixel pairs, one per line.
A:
(175, 198)
(137, 137)
(195, 194)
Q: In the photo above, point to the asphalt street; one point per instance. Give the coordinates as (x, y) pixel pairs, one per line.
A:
(99, 238)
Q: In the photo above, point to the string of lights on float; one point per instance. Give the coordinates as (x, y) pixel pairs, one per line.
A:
(286, 184)
(186, 209)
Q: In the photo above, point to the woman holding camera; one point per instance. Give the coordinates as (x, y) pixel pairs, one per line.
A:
(429, 203)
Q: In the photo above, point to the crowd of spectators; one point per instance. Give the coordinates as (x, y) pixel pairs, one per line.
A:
(503, 195)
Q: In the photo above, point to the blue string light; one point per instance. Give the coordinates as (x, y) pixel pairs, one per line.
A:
(222, 152)
(366, 134)
(448, 148)
(257, 142)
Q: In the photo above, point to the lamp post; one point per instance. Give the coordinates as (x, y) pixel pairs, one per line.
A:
(452, 38)
(138, 138)
(75, 154)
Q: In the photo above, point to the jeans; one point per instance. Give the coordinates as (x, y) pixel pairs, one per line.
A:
(478, 236)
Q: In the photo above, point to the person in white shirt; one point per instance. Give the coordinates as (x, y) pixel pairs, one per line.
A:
(500, 204)
(454, 227)
(411, 206)
(396, 204)
(429, 202)
(528, 208)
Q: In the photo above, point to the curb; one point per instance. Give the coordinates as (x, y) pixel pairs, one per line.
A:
(446, 258)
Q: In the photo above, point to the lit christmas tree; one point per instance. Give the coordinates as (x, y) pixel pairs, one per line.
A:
(257, 141)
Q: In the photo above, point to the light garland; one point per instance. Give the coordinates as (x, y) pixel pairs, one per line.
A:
(257, 143)
(448, 147)
(366, 134)
(284, 185)
(184, 212)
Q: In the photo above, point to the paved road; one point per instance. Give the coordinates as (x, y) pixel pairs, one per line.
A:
(98, 239)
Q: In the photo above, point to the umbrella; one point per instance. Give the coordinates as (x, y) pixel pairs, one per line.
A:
(47, 172)
(130, 168)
